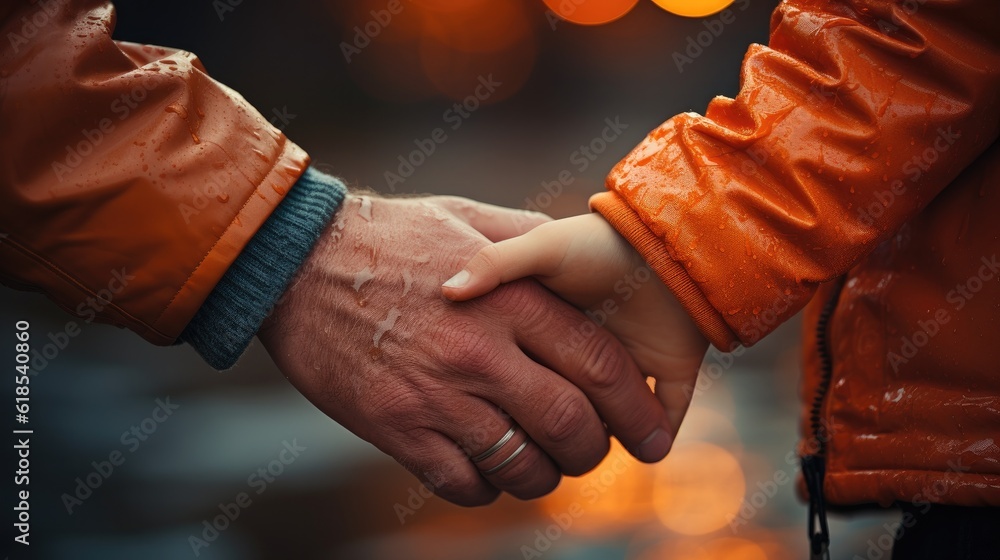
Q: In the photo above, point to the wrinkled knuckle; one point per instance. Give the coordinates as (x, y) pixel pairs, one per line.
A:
(565, 418)
(603, 363)
(523, 300)
(399, 409)
(468, 350)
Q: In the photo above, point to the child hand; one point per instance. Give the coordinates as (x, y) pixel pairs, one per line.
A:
(586, 262)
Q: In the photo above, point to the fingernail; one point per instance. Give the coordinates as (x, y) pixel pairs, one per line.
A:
(458, 280)
(655, 446)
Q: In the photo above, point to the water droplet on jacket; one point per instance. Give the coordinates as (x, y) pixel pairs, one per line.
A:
(178, 109)
(223, 197)
(260, 155)
(280, 190)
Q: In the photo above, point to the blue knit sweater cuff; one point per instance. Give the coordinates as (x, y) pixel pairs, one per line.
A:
(226, 323)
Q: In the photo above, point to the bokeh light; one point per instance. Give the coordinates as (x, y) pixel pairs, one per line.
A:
(616, 493)
(591, 12)
(693, 8)
(439, 47)
(699, 488)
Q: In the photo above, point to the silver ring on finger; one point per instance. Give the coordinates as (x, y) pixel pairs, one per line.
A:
(507, 461)
(496, 446)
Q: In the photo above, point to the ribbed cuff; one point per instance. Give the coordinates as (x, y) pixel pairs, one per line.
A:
(620, 215)
(226, 323)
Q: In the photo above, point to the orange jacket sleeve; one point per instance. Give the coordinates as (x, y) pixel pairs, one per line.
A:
(129, 179)
(857, 114)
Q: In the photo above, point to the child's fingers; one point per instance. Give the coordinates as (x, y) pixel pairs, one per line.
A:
(496, 264)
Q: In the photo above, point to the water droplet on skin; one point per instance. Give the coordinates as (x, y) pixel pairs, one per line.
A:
(362, 277)
(385, 325)
(365, 211)
(338, 228)
(407, 282)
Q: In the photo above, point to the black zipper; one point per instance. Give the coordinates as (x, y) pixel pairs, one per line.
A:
(814, 465)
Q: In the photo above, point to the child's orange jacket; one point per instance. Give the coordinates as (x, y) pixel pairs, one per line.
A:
(858, 169)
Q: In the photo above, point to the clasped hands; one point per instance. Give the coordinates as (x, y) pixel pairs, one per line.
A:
(503, 384)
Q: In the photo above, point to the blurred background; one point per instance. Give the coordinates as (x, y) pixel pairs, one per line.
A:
(522, 96)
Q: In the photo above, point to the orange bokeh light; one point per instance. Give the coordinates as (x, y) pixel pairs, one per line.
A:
(591, 12)
(616, 493)
(693, 8)
(699, 488)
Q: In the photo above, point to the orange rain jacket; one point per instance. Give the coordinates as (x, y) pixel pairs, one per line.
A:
(858, 168)
(133, 180)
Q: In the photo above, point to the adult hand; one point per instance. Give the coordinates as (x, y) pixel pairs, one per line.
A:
(365, 335)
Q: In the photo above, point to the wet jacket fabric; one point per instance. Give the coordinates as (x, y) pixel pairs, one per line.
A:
(130, 180)
(856, 171)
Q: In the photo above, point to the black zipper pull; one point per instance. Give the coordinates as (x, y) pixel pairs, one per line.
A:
(813, 471)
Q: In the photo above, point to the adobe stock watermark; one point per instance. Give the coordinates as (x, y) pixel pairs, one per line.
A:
(33, 24)
(416, 498)
(914, 169)
(697, 44)
(598, 484)
(881, 546)
(718, 363)
(455, 116)
(757, 498)
(44, 353)
(365, 33)
(214, 186)
(225, 7)
(121, 107)
(131, 439)
(625, 289)
(258, 481)
(959, 296)
(580, 161)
